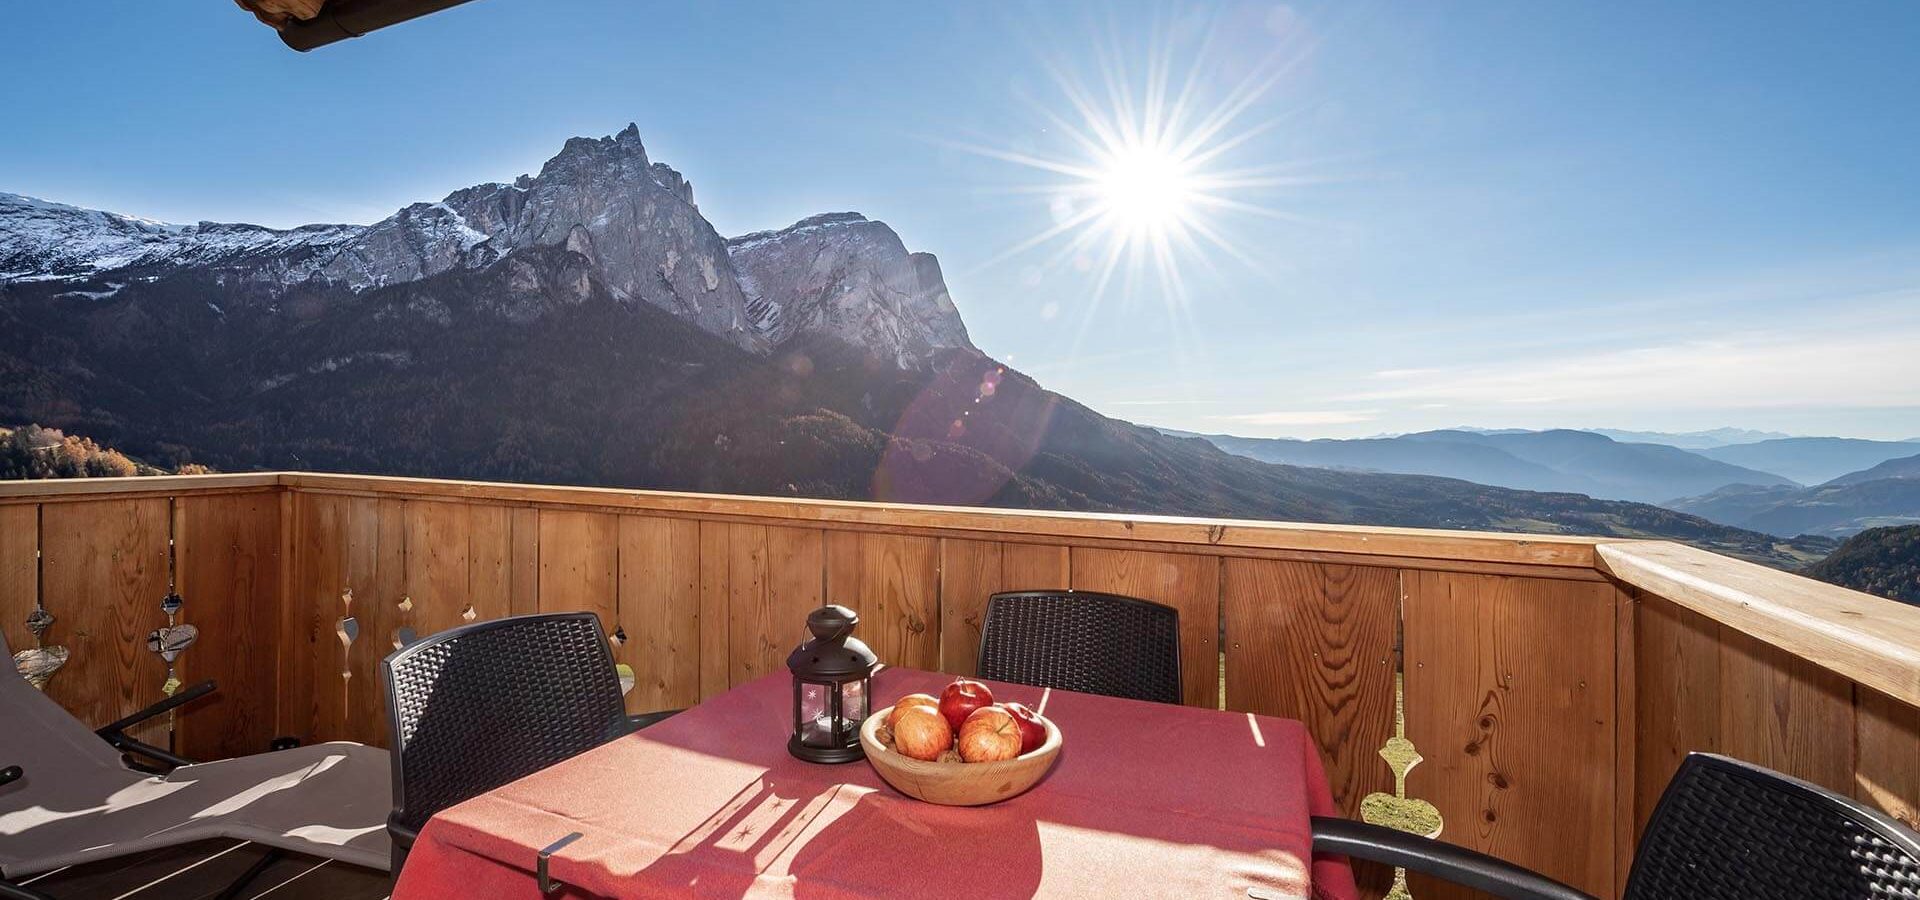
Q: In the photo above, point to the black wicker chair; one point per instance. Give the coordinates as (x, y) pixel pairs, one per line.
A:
(1724, 830)
(475, 707)
(1083, 641)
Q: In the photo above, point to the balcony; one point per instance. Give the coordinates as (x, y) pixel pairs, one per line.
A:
(1550, 684)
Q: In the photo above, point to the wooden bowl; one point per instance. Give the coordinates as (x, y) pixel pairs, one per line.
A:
(956, 783)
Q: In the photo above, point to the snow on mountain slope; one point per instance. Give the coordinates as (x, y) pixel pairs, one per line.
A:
(838, 275)
(41, 239)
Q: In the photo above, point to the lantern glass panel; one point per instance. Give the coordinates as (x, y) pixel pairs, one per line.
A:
(853, 703)
(816, 714)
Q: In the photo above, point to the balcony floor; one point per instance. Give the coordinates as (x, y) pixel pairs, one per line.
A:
(201, 870)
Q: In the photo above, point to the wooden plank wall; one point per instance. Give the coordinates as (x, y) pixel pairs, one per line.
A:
(227, 555)
(101, 570)
(1705, 686)
(1513, 730)
(1533, 698)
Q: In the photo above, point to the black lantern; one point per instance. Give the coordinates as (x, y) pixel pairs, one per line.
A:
(830, 680)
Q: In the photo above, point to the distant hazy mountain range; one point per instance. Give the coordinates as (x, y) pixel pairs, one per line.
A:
(1904, 467)
(1886, 494)
(1691, 440)
(1857, 484)
(1811, 460)
(1579, 462)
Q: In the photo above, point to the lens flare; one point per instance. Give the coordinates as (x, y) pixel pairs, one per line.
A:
(1140, 187)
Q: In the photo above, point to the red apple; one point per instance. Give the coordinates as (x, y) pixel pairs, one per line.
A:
(922, 733)
(1033, 729)
(910, 701)
(989, 735)
(961, 698)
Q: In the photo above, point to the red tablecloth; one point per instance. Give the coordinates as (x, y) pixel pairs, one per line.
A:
(1146, 799)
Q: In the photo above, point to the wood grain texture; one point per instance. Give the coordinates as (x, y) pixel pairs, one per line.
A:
(1676, 698)
(1785, 713)
(579, 564)
(893, 582)
(1626, 758)
(1188, 583)
(1315, 643)
(775, 576)
(490, 562)
(311, 565)
(1035, 567)
(352, 547)
(19, 572)
(1510, 698)
(525, 575)
(972, 571)
(1887, 771)
(105, 570)
(1197, 534)
(83, 490)
(439, 566)
(1858, 636)
(659, 609)
(716, 589)
(227, 551)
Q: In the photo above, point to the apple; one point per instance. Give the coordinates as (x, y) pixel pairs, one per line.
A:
(990, 734)
(961, 698)
(1033, 729)
(922, 733)
(910, 701)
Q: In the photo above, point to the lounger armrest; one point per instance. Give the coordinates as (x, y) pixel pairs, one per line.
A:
(652, 718)
(180, 698)
(168, 758)
(115, 733)
(1452, 863)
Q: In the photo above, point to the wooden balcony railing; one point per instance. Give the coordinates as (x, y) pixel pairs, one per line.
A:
(1551, 684)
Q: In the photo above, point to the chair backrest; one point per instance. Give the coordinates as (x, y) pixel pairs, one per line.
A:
(1083, 641)
(1730, 829)
(475, 707)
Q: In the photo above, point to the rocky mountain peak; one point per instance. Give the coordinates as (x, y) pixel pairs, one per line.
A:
(852, 278)
(621, 153)
(633, 220)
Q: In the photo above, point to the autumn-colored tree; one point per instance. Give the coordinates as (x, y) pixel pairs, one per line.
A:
(32, 451)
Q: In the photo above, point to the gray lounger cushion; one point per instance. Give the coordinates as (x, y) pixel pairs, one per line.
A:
(78, 803)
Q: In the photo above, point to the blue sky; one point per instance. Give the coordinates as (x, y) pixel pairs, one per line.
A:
(1663, 216)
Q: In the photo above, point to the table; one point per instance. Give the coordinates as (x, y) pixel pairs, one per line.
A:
(1146, 799)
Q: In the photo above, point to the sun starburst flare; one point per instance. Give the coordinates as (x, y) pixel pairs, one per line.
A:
(1142, 188)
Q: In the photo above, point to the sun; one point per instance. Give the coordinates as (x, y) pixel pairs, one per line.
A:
(1145, 192)
(1141, 187)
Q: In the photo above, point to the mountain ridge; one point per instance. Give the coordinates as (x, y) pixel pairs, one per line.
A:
(1810, 460)
(1553, 460)
(586, 325)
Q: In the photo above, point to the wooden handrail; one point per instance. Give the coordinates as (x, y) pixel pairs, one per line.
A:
(1867, 639)
(1201, 533)
(36, 490)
